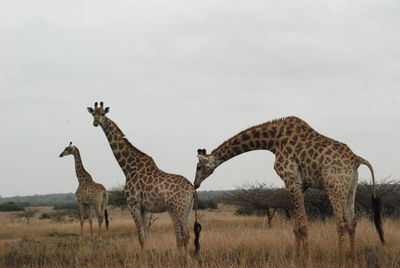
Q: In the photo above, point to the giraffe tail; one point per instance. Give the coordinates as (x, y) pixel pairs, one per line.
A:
(197, 225)
(106, 218)
(105, 202)
(376, 203)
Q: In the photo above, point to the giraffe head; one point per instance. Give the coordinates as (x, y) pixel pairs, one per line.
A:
(205, 166)
(99, 113)
(68, 150)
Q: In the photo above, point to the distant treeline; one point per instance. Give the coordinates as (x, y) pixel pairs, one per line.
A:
(17, 203)
(253, 199)
(40, 200)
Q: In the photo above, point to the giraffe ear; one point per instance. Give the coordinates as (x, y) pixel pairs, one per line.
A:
(107, 109)
(90, 110)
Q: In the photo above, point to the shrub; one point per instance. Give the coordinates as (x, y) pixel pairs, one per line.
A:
(207, 204)
(65, 206)
(60, 215)
(11, 206)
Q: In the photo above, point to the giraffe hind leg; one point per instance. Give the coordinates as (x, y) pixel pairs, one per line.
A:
(351, 218)
(90, 220)
(186, 232)
(341, 199)
(179, 222)
(99, 219)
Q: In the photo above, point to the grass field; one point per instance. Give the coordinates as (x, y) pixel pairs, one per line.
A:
(226, 240)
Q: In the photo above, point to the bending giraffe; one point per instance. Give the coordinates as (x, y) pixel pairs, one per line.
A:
(148, 188)
(89, 195)
(304, 158)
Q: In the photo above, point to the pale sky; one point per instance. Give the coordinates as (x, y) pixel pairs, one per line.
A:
(182, 75)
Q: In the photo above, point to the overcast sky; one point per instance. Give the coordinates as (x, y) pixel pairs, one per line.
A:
(179, 75)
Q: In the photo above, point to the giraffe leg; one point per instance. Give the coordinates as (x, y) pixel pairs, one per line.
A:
(300, 219)
(351, 219)
(338, 195)
(186, 232)
(178, 222)
(99, 219)
(145, 223)
(137, 218)
(90, 220)
(288, 171)
(352, 236)
(81, 216)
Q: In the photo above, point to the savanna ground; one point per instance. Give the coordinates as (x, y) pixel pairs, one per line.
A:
(226, 241)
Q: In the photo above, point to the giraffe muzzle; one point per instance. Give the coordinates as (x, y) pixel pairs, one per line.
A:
(96, 123)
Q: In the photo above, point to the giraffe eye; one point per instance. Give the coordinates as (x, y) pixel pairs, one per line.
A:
(198, 167)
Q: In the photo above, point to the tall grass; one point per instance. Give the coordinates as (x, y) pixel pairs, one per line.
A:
(226, 240)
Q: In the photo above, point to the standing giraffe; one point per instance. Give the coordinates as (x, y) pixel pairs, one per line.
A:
(148, 188)
(304, 158)
(90, 195)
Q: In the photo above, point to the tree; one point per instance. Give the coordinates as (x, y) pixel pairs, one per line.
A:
(116, 196)
(256, 198)
(28, 213)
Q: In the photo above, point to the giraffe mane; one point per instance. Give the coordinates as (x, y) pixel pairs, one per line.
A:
(123, 137)
(280, 119)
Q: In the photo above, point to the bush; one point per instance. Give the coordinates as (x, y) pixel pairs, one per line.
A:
(11, 206)
(207, 204)
(66, 206)
(60, 215)
(244, 211)
(116, 196)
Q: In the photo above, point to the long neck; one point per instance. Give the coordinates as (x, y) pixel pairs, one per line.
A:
(81, 173)
(128, 157)
(266, 136)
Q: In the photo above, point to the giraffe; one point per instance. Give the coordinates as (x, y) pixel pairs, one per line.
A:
(303, 158)
(148, 188)
(89, 195)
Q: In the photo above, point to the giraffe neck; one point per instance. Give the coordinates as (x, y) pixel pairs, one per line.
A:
(81, 173)
(267, 136)
(130, 159)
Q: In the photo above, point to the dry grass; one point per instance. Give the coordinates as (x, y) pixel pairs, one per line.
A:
(226, 240)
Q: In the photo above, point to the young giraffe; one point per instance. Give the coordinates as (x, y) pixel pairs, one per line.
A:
(90, 195)
(149, 189)
(304, 158)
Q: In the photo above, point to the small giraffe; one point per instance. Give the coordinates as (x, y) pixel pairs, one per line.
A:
(304, 158)
(89, 195)
(149, 189)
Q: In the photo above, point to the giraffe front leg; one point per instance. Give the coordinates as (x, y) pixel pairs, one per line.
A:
(81, 216)
(90, 220)
(137, 218)
(300, 219)
(145, 223)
